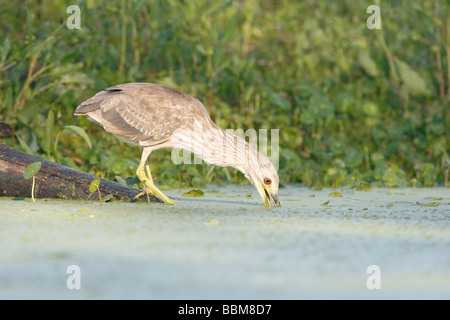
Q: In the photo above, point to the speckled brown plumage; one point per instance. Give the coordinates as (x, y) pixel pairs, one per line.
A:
(133, 112)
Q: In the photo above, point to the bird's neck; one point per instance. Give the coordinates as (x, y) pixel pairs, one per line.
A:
(221, 148)
(234, 151)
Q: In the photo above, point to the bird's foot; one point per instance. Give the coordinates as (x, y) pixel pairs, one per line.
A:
(165, 199)
(169, 201)
(145, 192)
(150, 188)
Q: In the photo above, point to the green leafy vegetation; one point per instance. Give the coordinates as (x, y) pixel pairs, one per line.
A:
(194, 193)
(30, 172)
(335, 194)
(355, 107)
(95, 186)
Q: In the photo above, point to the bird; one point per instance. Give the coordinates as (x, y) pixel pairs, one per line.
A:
(154, 116)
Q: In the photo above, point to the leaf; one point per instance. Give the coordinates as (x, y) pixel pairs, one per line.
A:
(50, 123)
(371, 109)
(81, 133)
(362, 186)
(118, 167)
(366, 62)
(23, 144)
(321, 105)
(415, 83)
(279, 101)
(109, 198)
(94, 185)
(4, 49)
(220, 56)
(32, 169)
(431, 204)
(390, 178)
(335, 194)
(353, 159)
(345, 102)
(121, 181)
(194, 193)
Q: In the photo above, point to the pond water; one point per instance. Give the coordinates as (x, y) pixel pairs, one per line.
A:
(227, 245)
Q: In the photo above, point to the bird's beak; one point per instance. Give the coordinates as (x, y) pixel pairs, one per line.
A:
(270, 199)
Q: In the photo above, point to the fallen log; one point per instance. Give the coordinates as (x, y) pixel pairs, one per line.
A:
(54, 181)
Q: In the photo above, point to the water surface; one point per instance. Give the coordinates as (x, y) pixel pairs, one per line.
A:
(226, 245)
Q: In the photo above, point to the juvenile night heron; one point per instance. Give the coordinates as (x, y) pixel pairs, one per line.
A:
(155, 117)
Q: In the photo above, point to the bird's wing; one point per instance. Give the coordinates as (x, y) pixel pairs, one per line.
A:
(143, 113)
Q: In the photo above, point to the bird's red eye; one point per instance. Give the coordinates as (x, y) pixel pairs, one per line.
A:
(267, 181)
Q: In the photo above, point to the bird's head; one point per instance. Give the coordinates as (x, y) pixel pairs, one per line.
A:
(265, 179)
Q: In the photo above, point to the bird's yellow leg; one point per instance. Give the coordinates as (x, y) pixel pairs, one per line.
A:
(156, 192)
(147, 178)
(145, 192)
